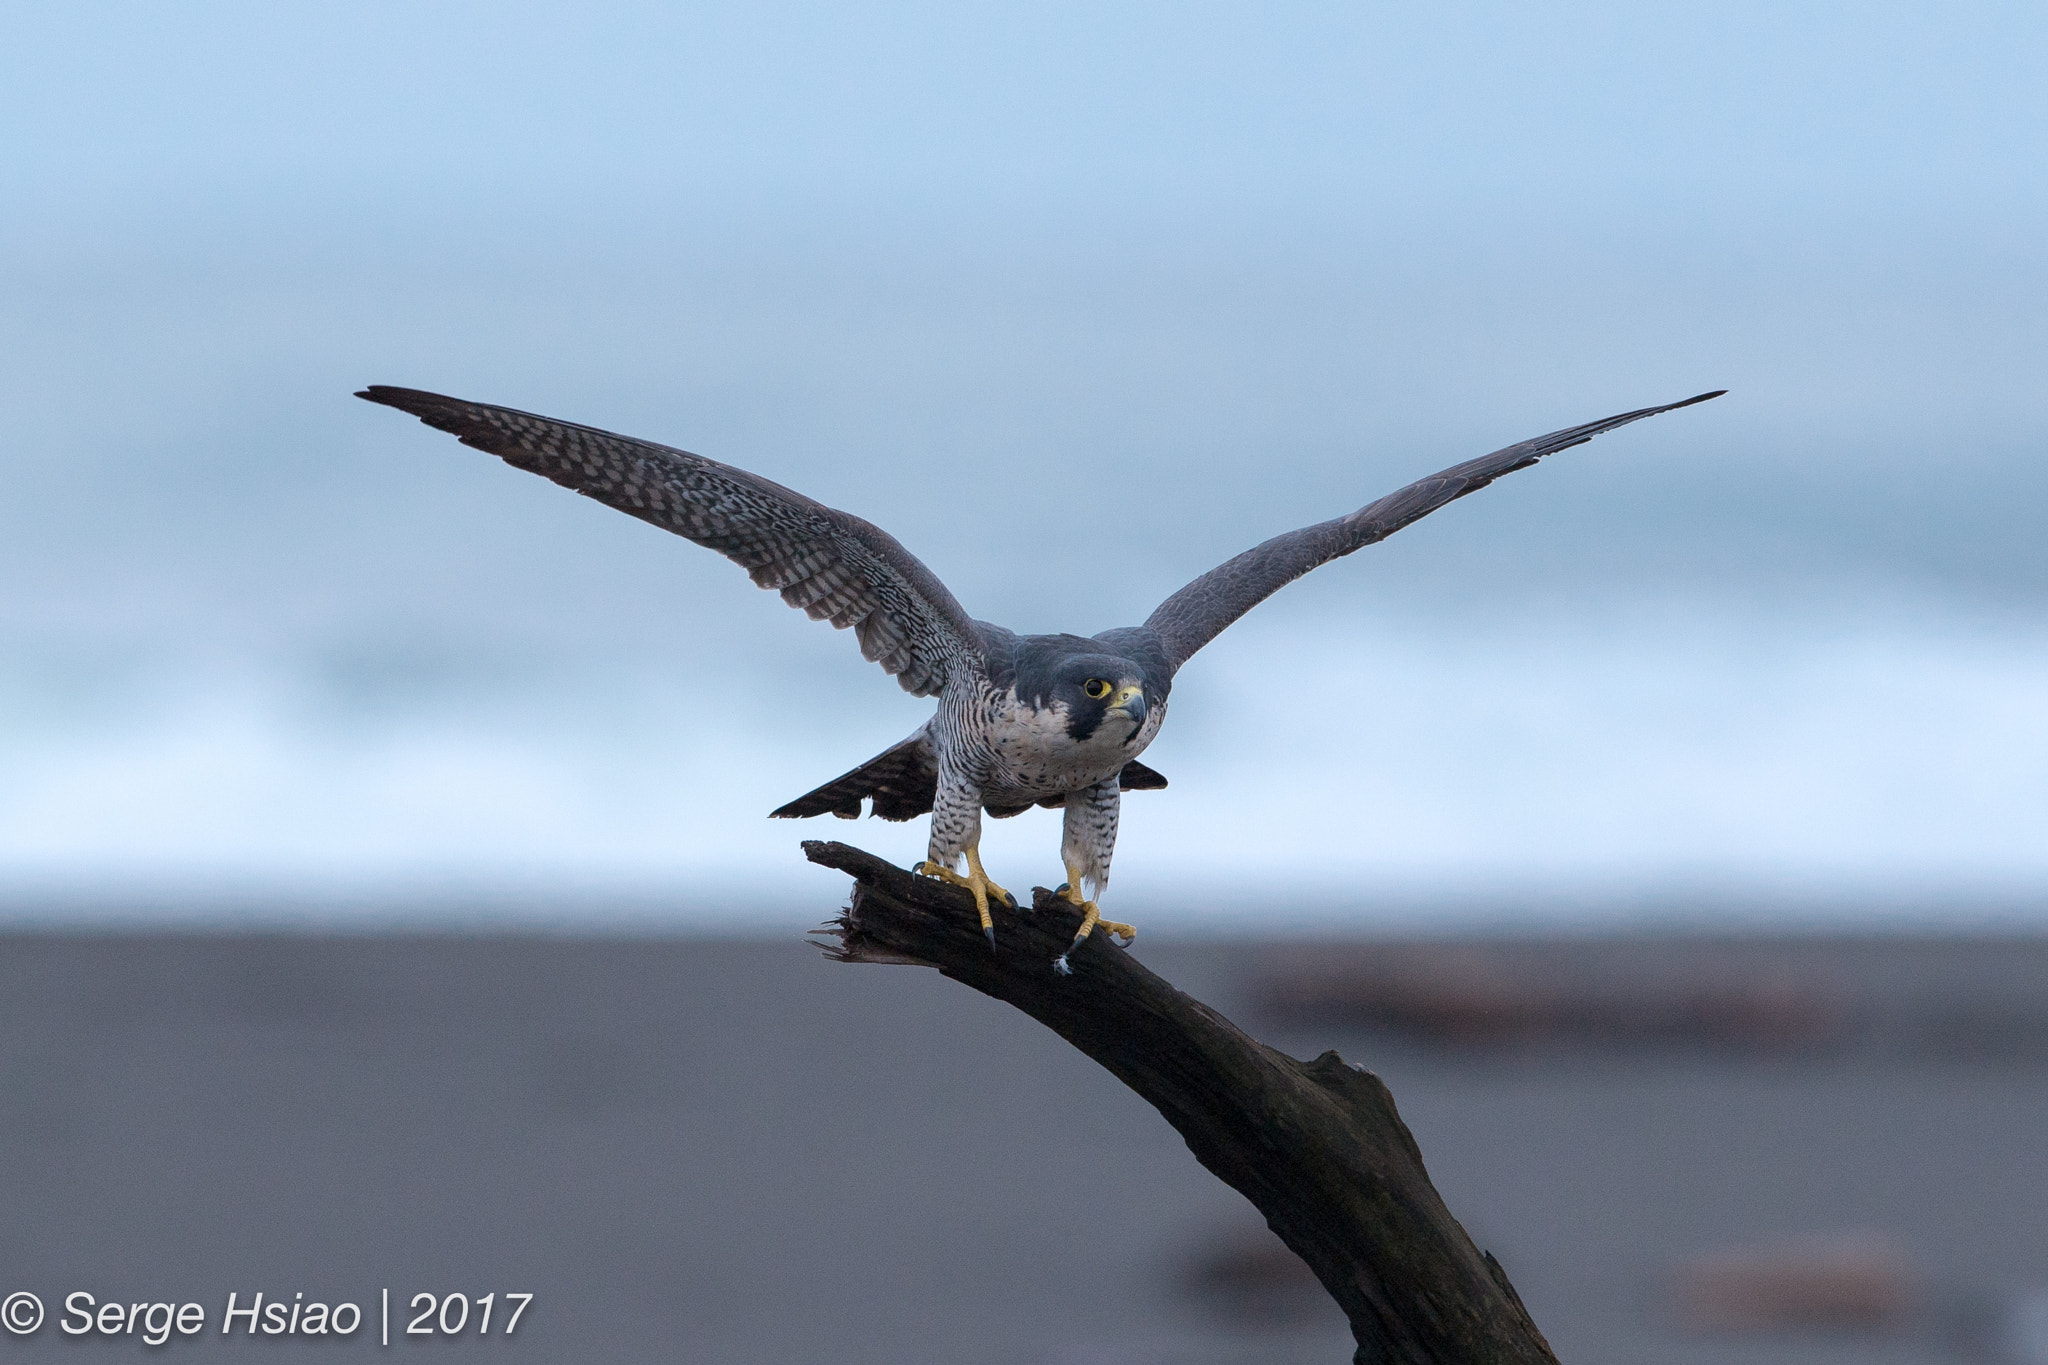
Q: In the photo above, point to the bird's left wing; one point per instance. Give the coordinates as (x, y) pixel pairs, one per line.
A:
(831, 564)
(1202, 610)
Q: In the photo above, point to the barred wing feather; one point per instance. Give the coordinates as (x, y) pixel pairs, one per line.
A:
(831, 564)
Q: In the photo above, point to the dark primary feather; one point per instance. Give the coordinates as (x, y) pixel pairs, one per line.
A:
(1199, 612)
(831, 564)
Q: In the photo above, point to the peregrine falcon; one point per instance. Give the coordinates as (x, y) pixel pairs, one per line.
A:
(1022, 720)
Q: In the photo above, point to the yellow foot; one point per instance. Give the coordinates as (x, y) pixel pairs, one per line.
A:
(1090, 917)
(977, 882)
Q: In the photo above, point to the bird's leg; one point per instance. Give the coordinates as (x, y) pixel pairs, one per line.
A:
(1090, 917)
(1087, 840)
(977, 882)
(956, 829)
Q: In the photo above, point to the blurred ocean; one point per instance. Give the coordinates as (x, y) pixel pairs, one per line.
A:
(1074, 336)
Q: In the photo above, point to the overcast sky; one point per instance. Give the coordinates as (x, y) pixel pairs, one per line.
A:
(1758, 120)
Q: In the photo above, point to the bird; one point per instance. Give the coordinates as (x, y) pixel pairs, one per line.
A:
(1056, 721)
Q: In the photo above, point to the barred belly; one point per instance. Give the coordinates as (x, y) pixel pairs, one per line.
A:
(996, 749)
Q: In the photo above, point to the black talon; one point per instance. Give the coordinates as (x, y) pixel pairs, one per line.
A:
(991, 932)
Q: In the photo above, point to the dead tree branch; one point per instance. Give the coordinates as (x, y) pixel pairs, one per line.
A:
(1317, 1146)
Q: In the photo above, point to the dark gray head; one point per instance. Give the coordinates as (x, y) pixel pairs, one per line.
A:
(1087, 682)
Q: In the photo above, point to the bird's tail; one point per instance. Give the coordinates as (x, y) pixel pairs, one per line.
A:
(902, 781)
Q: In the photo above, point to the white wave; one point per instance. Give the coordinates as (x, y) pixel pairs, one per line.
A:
(1676, 756)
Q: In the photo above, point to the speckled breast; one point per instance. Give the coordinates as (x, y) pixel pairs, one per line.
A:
(1033, 754)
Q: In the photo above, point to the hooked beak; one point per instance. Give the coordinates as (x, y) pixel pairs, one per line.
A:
(1131, 702)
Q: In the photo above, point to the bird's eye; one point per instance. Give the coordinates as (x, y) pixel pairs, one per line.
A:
(1096, 689)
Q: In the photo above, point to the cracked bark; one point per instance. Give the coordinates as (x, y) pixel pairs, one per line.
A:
(1317, 1146)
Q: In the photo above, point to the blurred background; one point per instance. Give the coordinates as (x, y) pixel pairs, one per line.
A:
(1163, 281)
(1077, 302)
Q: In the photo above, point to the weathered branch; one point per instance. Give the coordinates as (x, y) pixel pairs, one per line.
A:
(1317, 1146)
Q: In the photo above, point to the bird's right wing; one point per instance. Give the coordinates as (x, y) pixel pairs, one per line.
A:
(831, 564)
(1202, 610)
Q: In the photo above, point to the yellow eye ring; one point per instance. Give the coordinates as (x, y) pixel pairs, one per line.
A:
(1095, 688)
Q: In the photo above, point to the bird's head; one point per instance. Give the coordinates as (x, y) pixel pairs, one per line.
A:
(1099, 690)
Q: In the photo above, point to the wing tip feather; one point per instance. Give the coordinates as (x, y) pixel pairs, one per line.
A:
(420, 403)
(392, 395)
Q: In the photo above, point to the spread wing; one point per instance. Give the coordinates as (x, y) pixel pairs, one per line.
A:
(831, 564)
(1199, 612)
